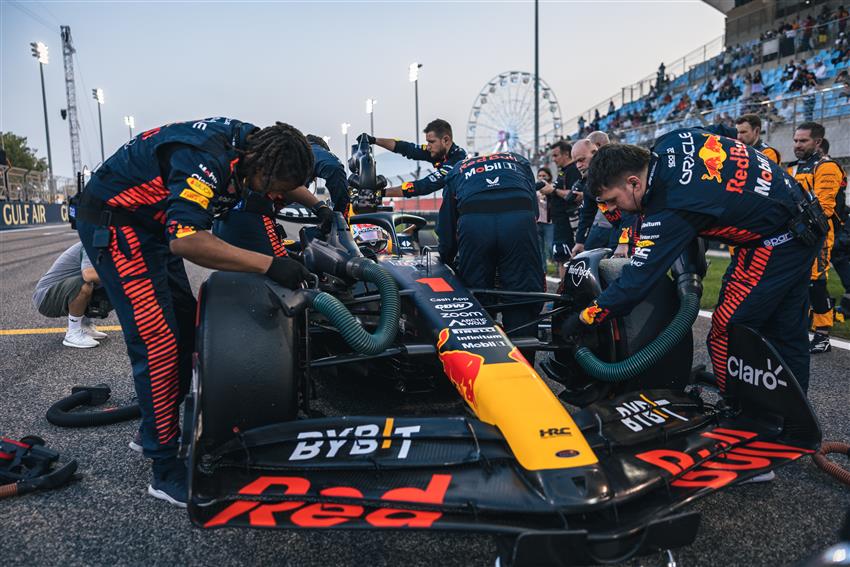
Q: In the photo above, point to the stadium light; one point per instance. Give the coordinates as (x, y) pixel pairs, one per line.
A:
(413, 72)
(39, 51)
(370, 107)
(97, 94)
(344, 128)
(131, 123)
(413, 76)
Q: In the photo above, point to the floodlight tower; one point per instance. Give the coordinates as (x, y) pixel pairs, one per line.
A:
(97, 94)
(39, 51)
(370, 110)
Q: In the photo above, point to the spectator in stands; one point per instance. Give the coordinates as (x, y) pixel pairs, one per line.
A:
(611, 108)
(808, 33)
(581, 123)
(704, 104)
(661, 77)
(843, 15)
(758, 85)
(66, 290)
(823, 177)
(823, 22)
(820, 70)
(562, 203)
(749, 132)
(544, 219)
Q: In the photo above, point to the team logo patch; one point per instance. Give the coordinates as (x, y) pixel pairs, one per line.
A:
(712, 155)
(200, 187)
(200, 200)
(644, 243)
(181, 231)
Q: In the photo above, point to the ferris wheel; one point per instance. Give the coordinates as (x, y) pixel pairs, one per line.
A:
(502, 115)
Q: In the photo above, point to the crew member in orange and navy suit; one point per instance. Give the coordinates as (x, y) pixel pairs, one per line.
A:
(695, 183)
(146, 209)
(251, 223)
(823, 177)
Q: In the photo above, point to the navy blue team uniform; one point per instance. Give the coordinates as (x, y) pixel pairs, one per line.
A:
(701, 184)
(488, 222)
(163, 184)
(251, 223)
(437, 179)
(563, 238)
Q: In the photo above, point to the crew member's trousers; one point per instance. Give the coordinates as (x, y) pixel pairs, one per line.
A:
(507, 242)
(149, 289)
(766, 289)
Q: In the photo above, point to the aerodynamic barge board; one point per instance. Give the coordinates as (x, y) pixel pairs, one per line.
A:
(495, 380)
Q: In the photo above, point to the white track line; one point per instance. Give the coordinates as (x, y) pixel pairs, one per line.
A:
(837, 343)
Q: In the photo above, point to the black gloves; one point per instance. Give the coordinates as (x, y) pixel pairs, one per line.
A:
(370, 139)
(287, 272)
(573, 327)
(326, 217)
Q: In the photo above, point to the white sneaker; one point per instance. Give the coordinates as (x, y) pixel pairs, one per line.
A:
(79, 339)
(90, 330)
(763, 477)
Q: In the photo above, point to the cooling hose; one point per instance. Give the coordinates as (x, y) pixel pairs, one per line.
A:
(831, 468)
(651, 353)
(351, 330)
(61, 413)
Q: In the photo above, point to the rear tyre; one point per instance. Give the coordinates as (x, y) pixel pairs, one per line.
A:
(247, 365)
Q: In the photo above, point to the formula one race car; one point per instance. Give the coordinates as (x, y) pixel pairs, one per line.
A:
(564, 485)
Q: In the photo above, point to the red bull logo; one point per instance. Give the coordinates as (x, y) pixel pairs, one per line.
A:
(461, 367)
(590, 313)
(712, 155)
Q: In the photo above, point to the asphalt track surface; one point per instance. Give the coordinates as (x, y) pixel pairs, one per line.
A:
(107, 518)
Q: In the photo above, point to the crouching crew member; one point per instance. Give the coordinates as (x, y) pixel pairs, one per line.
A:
(146, 209)
(488, 223)
(695, 183)
(252, 224)
(67, 289)
(439, 150)
(822, 177)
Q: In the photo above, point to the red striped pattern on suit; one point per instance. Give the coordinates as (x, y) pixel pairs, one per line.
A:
(274, 239)
(732, 234)
(744, 278)
(149, 193)
(158, 338)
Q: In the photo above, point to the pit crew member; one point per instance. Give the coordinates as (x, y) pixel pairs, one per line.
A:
(149, 206)
(439, 150)
(823, 177)
(695, 183)
(563, 203)
(749, 132)
(590, 233)
(251, 223)
(67, 289)
(487, 223)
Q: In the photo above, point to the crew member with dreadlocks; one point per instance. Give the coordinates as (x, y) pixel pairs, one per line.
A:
(150, 206)
(251, 223)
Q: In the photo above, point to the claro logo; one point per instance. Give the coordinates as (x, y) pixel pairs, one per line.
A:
(740, 369)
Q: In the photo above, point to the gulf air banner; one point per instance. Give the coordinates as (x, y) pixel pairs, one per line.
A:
(19, 214)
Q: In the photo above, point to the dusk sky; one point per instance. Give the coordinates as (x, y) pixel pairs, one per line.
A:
(313, 64)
